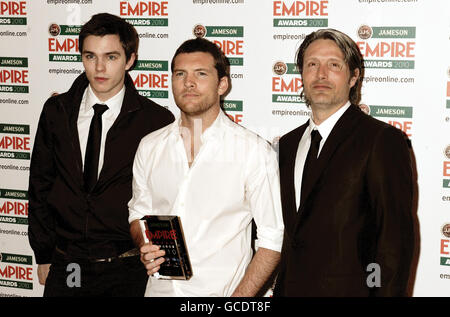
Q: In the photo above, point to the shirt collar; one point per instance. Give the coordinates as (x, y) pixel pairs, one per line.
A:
(326, 126)
(216, 128)
(114, 103)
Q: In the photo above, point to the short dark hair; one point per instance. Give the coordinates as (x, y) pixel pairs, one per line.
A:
(349, 48)
(222, 64)
(105, 24)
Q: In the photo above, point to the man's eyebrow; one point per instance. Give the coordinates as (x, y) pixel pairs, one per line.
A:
(107, 53)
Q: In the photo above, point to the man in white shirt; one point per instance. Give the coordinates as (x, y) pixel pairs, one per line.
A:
(216, 176)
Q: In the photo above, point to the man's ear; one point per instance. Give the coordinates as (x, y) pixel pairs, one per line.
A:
(130, 61)
(354, 78)
(223, 85)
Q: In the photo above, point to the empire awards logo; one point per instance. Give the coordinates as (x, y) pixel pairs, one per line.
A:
(13, 13)
(13, 206)
(15, 141)
(446, 168)
(229, 38)
(14, 75)
(388, 47)
(300, 14)
(16, 271)
(63, 43)
(145, 13)
(286, 84)
(152, 78)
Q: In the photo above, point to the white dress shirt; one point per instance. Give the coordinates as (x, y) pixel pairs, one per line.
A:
(302, 151)
(233, 179)
(85, 117)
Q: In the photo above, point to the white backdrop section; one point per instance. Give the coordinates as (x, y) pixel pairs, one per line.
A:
(406, 44)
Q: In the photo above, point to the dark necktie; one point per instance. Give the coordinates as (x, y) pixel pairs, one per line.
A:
(93, 148)
(311, 159)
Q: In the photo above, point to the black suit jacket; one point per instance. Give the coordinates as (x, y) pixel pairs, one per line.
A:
(60, 210)
(357, 211)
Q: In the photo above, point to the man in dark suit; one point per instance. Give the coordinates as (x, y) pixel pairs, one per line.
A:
(81, 170)
(346, 185)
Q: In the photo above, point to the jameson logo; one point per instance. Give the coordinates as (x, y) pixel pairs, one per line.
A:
(152, 80)
(13, 146)
(137, 13)
(14, 194)
(232, 105)
(228, 40)
(286, 89)
(13, 62)
(16, 258)
(231, 108)
(300, 14)
(392, 46)
(70, 29)
(14, 128)
(225, 31)
(391, 111)
(365, 32)
(218, 31)
(152, 65)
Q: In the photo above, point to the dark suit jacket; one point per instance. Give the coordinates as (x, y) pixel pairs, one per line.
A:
(60, 210)
(357, 210)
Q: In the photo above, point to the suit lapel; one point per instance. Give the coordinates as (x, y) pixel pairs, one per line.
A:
(342, 129)
(70, 104)
(129, 105)
(288, 153)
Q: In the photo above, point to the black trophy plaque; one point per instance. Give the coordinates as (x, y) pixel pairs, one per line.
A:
(167, 232)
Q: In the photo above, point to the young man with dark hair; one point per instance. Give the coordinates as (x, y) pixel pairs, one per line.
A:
(81, 170)
(216, 176)
(346, 185)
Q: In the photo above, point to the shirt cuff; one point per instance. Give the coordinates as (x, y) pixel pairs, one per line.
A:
(270, 239)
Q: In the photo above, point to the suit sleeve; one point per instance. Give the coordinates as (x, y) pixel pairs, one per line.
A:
(390, 185)
(41, 232)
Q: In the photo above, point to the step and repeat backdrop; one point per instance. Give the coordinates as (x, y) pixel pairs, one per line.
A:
(406, 45)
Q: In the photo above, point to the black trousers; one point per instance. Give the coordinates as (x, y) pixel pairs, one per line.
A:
(71, 277)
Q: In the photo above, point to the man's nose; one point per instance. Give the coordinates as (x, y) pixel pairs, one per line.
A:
(322, 72)
(189, 81)
(100, 65)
